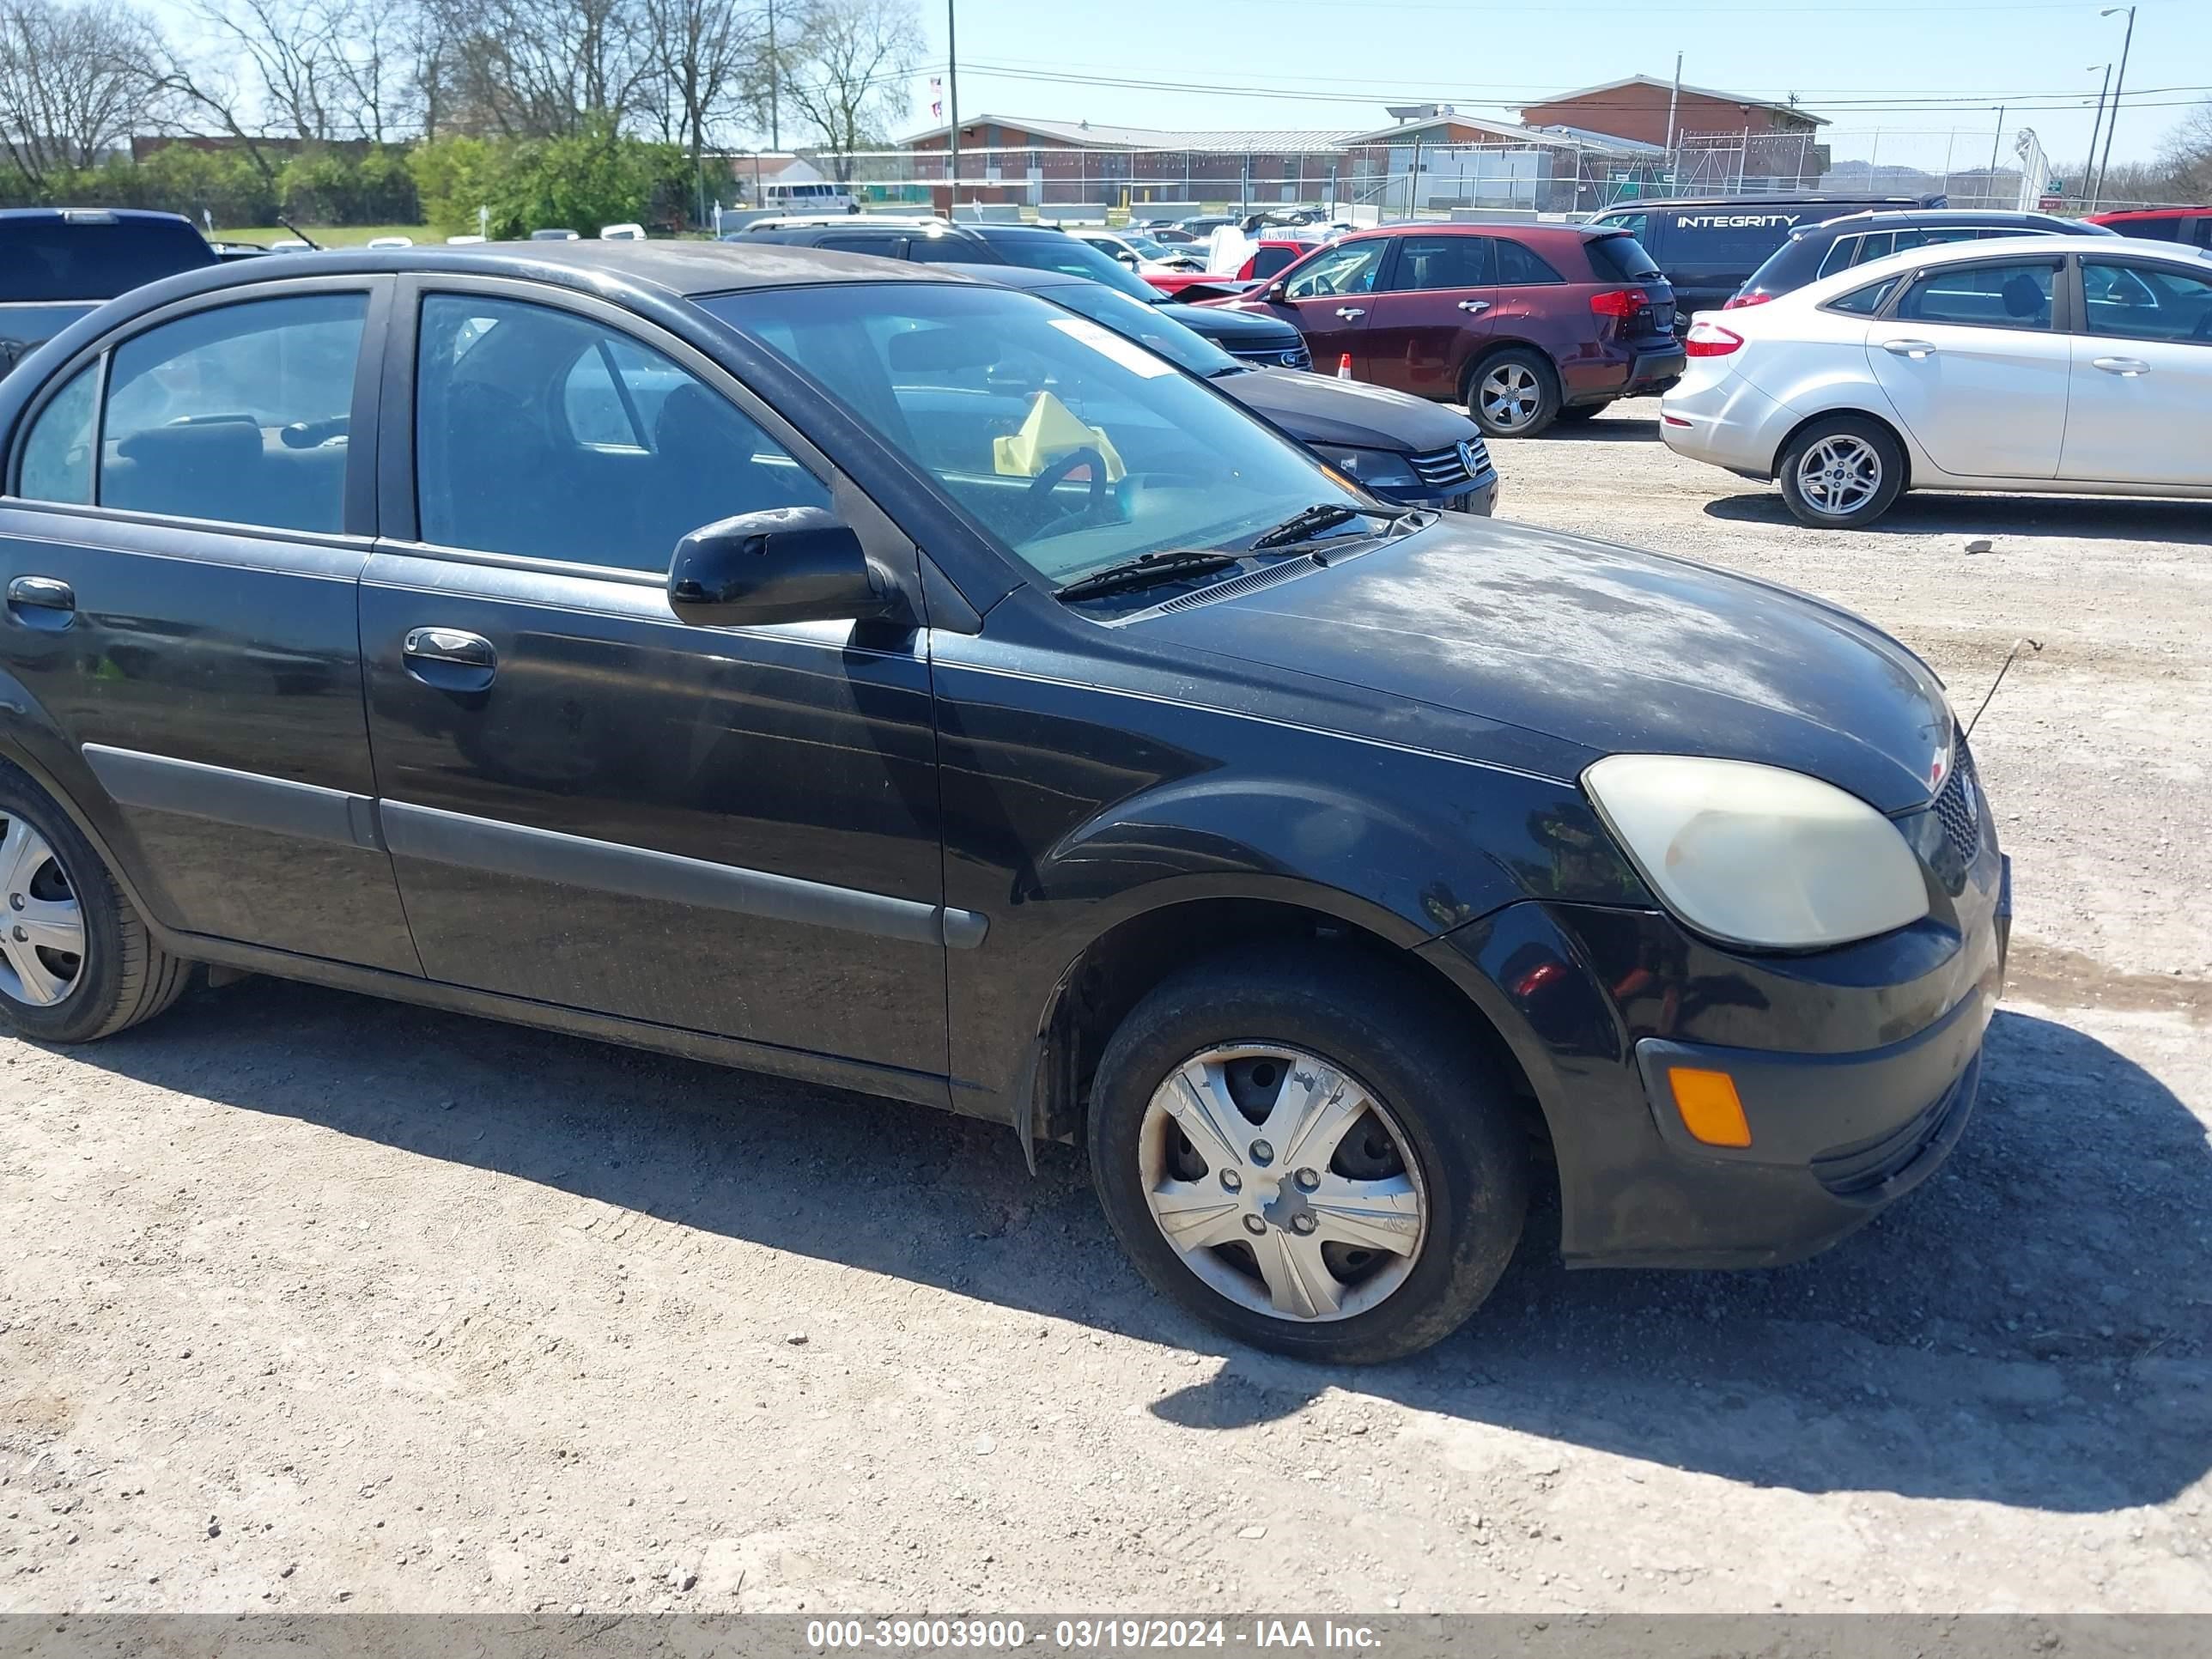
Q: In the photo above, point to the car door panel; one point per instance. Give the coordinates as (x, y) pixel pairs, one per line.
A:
(209, 675)
(1982, 398)
(1431, 321)
(1328, 299)
(2141, 377)
(730, 830)
(593, 803)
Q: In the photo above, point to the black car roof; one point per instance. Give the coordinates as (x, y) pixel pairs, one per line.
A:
(1750, 204)
(683, 269)
(1927, 218)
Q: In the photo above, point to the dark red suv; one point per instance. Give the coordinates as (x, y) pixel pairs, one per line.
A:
(1523, 324)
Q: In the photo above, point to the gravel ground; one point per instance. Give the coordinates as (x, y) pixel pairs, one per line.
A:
(313, 1301)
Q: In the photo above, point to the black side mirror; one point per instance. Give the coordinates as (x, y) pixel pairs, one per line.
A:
(785, 564)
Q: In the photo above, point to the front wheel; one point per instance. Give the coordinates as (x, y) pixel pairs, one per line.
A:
(1308, 1157)
(1842, 472)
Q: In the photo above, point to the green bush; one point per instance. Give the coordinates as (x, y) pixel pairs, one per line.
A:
(595, 178)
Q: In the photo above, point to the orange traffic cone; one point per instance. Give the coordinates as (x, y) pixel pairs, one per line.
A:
(1343, 366)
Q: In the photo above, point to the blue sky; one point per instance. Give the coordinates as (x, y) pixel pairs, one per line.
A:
(1340, 60)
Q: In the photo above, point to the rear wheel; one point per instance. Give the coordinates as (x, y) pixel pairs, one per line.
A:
(1842, 472)
(1513, 393)
(1307, 1157)
(76, 961)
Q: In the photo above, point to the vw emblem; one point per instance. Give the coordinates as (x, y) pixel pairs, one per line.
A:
(1467, 456)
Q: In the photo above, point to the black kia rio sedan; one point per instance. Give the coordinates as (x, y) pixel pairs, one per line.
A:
(685, 645)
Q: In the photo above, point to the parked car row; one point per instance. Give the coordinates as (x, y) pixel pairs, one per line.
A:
(848, 668)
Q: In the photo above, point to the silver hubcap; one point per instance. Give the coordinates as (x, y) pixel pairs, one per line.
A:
(1839, 475)
(1510, 396)
(42, 931)
(1282, 1182)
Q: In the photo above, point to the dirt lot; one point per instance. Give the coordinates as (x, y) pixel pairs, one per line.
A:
(309, 1301)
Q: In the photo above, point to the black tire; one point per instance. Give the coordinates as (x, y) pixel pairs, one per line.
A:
(122, 976)
(1575, 414)
(1875, 439)
(1404, 1046)
(1542, 386)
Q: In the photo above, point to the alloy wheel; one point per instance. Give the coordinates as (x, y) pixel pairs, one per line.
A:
(1510, 396)
(1839, 474)
(42, 930)
(1282, 1182)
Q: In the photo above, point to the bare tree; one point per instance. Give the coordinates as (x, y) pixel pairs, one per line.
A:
(73, 81)
(2187, 157)
(538, 68)
(287, 52)
(846, 70)
(706, 55)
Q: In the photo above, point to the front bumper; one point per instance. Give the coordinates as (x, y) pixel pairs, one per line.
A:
(1855, 1068)
(1479, 494)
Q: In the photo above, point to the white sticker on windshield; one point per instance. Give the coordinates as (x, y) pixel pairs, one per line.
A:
(1104, 341)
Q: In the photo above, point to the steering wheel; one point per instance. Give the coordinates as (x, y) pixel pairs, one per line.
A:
(1057, 471)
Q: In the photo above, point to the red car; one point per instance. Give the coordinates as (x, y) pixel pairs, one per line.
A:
(1270, 256)
(2191, 227)
(1523, 324)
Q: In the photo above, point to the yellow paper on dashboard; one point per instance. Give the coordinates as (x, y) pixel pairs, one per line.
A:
(1051, 431)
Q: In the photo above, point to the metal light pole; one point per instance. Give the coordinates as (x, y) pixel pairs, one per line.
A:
(2119, 85)
(1673, 96)
(953, 109)
(2095, 127)
(775, 71)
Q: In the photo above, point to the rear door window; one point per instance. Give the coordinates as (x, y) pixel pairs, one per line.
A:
(1432, 262)
(1987, 296)
(2147, 302)
(1274, 261)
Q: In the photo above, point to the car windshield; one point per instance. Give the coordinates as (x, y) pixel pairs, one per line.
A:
(1052, 249)
(1148, 326)
(1073, 448)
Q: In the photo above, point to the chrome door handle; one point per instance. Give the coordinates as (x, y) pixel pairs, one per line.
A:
(2126, 368)
(1349, 312)
(1475, 304)
(42, 602)
(450, 659)
(1915, 349)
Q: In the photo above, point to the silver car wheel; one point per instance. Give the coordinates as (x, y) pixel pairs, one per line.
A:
(1839, 475)
(1510, 396)
(1282, 1182)
(42, 930)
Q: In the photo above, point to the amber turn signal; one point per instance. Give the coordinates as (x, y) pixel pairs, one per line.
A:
(1709, 1106)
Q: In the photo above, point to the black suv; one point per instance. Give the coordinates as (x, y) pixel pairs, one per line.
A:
(1263, 342)
(670, 643)
(57, 263)
(1708, 247)
(1816, 251)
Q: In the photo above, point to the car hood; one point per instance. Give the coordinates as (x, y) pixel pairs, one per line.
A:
(1232, 329)
(1318, 409)
(1602, 648)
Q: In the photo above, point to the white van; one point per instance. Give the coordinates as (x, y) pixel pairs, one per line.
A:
(817, 198)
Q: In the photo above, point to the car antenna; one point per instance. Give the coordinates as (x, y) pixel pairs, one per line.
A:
(312, 243)
(2023, 640)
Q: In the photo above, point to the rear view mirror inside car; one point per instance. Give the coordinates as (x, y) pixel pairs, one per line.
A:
(925, 350)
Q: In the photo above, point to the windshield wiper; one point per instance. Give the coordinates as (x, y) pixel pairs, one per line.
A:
(1227, 369)
(1145, 569)
(1307, 523)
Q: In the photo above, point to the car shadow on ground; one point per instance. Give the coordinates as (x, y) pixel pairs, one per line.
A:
(2028, 1328)
(1918, 514)
(1603, 428)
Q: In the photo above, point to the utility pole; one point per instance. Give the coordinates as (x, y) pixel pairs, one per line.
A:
(2089, 167)
(1673, 97)
(1997, 143)
(2119, 85)
(774, 72)
(953, 109)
